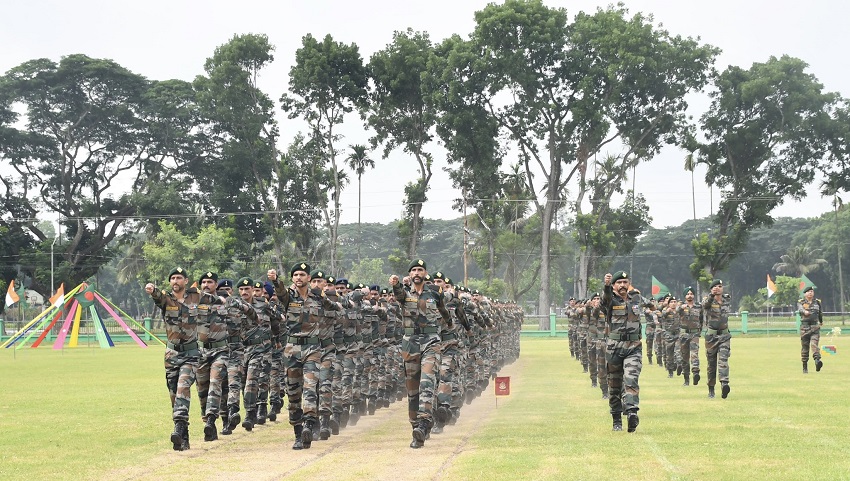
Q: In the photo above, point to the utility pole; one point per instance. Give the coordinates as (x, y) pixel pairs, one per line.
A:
(837, 203)
(465, 240)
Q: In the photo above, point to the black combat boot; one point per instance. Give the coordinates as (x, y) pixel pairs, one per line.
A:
(679, 370)
(442, 413)
(210, 431)
(420, 433)
(177, 436)
(711, 391)
(276, 406)
(469, 396)
(454, 417)
(604, 394)
(343, 417)
(363, 407)
(334, 423)
(584, 367)
(372, 405)
(262, 413)
(687, 380)
(633, 421)
(805, 367)
(649, 357)
(593, 383)
(307, 434)
(298, 443)
(724, 390)
(250, 420)
(818, 365)
(696, 378)
(324, 427)
(618, 421)
(669, 373)
(233, 419)
(355, 413)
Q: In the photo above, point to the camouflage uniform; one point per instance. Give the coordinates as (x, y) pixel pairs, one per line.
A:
(239, 314)
(623, 351)
(690, 327)
(212, 369)
(257, 338)
(718, 339)
(670, 325)
(811, 320)
(650, 317)
(597, 319)
(424, 314)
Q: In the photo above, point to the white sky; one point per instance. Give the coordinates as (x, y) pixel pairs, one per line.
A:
(163, 39)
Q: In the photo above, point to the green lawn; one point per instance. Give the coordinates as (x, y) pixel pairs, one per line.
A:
(80, 412)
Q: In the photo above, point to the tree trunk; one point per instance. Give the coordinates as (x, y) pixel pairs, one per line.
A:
(414, 235)
(543, 298)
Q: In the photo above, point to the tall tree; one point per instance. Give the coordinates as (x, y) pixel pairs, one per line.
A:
(239, 177)
(358, 161)
(327, 82)
(564, 91)
(766, 133)
(402, 116)
(800, 260)
(93, 133)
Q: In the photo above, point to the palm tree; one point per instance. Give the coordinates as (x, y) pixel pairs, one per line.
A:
(359, 161)
(800, 260)
(690, 165)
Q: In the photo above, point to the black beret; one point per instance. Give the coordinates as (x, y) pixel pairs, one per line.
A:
(417, 263)
(209, 275)
(301, 266)
(225, 283)
(178, 271)
(715, 282)
(245, 282)
(619, 275)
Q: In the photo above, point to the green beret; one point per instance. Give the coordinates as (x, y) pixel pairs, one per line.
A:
(449, 281)
(359, 285)
(619, 275)
(385, 291)
(331, 279)
(715, 282)
(687, 290)
(318, 274)
(258, 285)
(245, 282)
(178, 271)
(208, 275)
(810, 288)
(427, 277)
(439, 275)
(301, 266)
(417, 263)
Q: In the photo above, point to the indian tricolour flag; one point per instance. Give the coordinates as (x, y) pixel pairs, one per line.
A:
(771, 287)
(11, 295)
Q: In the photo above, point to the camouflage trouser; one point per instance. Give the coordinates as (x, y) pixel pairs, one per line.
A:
(234, 374)
(650, 338)
(336, 379)
(254, 356)
(460, 378)
(180, 371)
(349, 373)
(448, 377)
(591, 357)
(625, 360)
(671, 339)
(718, 348)
(302, 380)
(571, 335)
(601, 365)
(265, 374)
(659, 346)
(581, 338)
(689, 347)
(472, 362)
(359, 383)
(212, 371)
(809, 340)
(276, 377)
(396, 373)
(370, 371)
(326, 379)
(421, 360)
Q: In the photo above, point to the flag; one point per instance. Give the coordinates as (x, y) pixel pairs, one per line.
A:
(806, 282)
(503, 385)
(771, 287)
(85, 296)
(829, 349)
(659, 289)
(58, 299)
(11, 296)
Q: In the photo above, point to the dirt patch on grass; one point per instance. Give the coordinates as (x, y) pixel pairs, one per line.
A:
(375, 449)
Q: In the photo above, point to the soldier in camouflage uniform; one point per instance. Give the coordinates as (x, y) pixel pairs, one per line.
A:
(690, 327)
(277, 372)
(718, 339)
(598, 322)
(304, 307)
(180, 314)
(581, 333)
(651, 319)
(450, 354)
(268, 314)
(624, 349)
(670, 325)
(424, 315)
(239, 315)
(318, 280)
(212, 368)
(572, 326)
(811, 320)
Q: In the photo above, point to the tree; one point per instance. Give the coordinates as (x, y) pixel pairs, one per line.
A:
(800, 260)
(564, 91)
(402, 116)
(359, 161)
(765, 135)
(327, 82)
(211, 249)
(94, 133)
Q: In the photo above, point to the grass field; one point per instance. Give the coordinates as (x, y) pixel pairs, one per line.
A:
(85, 413)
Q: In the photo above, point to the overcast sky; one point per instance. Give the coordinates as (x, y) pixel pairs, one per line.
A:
(172, 39)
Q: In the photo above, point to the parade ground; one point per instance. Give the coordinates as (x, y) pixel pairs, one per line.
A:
(90, 413)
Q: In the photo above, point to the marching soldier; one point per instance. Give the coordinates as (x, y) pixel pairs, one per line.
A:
(811, 320)
(212, 369)
(718, 339)
(690, 325)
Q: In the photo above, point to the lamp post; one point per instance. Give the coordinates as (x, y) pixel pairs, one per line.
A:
(55, 237)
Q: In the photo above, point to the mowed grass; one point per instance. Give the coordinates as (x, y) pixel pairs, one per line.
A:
(777, 423)
(81, 413)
